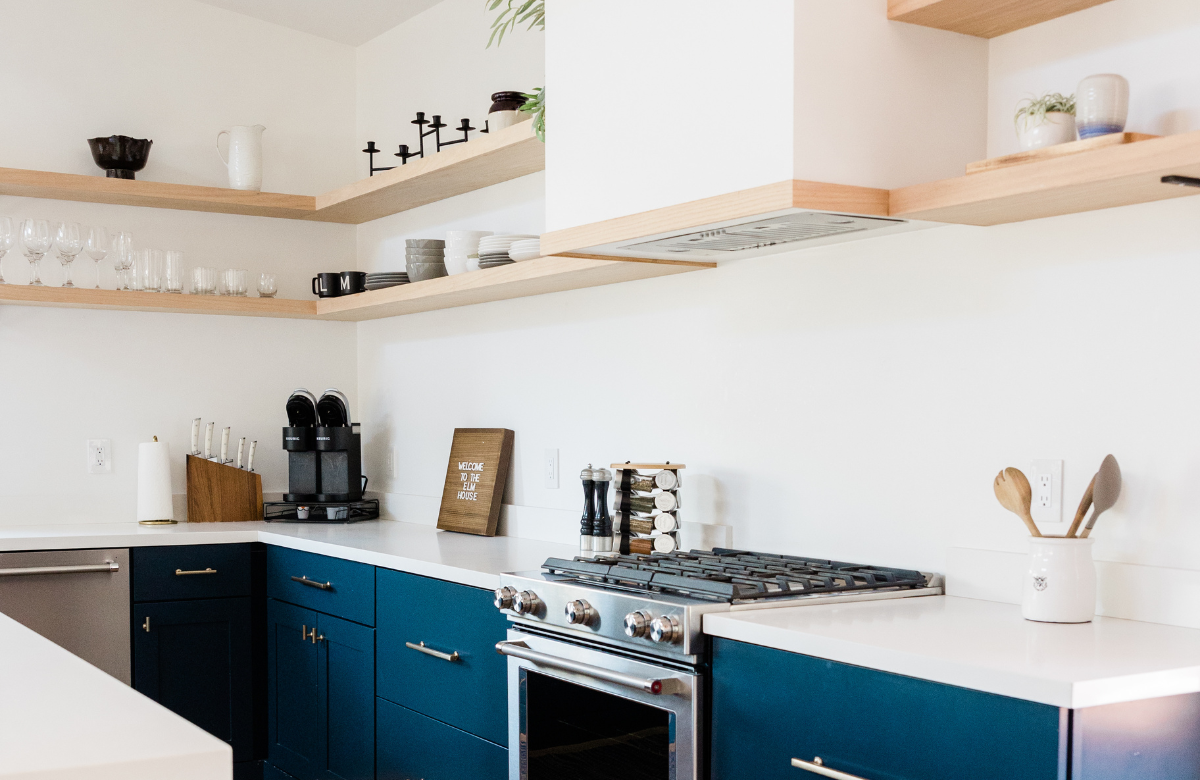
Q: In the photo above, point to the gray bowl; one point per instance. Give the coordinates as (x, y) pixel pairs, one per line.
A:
(438, 253)
(419, 272)
(424, 243)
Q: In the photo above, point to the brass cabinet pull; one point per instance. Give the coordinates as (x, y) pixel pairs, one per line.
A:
(313, 583)
(421, 648)
(182, 573)
(305, 634)
(817, 767)
(146, 625)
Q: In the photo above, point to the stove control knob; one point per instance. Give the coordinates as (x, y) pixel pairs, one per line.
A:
(526, 603)
(503, 597)
(637, 624)
(665, 630)
(579, 612)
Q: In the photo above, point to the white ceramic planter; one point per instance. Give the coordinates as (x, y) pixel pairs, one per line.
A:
(1060, 584)
(1058, 128)
(1101, 105)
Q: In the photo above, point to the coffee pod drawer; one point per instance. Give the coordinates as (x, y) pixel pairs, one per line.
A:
(336, 587)
(200, 571)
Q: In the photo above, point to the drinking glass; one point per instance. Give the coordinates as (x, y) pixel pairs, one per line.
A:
(122, 254)
(204, 281)
(152, 276)
(96, 248)
(266, 286)
(172, 271)
(138, 260)
(8, 238)
(36, 239)
(68, 239)
(233, 281)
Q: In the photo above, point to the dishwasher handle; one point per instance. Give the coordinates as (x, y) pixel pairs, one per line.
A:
(650, 685)
(107, 566)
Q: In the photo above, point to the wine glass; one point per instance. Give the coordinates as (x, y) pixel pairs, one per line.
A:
(97, 248)
(69, 239)
(36, 239)
(8, 237)
(122, 255)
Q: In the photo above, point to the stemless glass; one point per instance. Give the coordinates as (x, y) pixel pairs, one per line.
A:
(172, 271)
(233, 282)
(122, 253)
(138, 260)
(68, 239)
(36, 239)
(97, 248)
(266, 286)
(8, 238)
(153, 275)
(204, 280)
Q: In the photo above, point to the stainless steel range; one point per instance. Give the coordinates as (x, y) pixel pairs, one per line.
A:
(608, 665)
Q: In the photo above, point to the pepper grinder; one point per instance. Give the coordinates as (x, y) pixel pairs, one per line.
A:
(585, 524)
(602, 522)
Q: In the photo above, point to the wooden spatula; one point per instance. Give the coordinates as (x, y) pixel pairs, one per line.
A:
(1085, 503)
(1015, 495)
(1106, 492)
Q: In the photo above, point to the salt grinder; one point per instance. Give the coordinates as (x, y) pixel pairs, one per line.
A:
(601, 522)
(589, 512)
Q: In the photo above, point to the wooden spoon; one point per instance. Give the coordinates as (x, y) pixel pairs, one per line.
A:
(1015, 495)
(1085, 504)
(1106, 492)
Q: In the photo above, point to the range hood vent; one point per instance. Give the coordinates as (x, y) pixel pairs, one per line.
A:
(763, 233)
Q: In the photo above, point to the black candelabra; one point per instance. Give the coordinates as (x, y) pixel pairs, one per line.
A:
(435, 129)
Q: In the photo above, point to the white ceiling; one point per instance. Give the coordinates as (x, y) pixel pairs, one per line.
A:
(347, 21)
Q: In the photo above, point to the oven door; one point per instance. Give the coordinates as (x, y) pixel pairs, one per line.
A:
(580, 712)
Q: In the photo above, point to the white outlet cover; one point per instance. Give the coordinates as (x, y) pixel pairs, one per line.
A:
(1046, 482)
(550, 470)
(99, 456)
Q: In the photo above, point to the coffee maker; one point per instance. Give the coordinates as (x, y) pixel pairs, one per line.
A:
(324, 449)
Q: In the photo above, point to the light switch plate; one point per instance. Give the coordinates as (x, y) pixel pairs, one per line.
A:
(99, 456)
(1045, 480)
(550, 470)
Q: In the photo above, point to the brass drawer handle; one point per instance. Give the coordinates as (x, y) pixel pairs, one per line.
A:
(182, 573)
(817, 767)
(313, 583)
(421, 648)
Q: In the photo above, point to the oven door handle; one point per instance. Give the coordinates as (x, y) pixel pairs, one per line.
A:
(648, 684)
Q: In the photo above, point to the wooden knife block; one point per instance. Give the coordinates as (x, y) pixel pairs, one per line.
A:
(222, 494)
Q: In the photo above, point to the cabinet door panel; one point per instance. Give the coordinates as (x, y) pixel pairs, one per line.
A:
(295, 739)
(414, 747)
(347, 698)
(193, 657)
(771, 706)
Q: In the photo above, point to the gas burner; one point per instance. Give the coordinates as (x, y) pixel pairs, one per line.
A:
(732, 575)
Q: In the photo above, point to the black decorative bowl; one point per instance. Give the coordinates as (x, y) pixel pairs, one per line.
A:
(119, 155)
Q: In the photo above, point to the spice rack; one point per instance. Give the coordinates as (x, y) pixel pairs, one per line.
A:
(646, 507)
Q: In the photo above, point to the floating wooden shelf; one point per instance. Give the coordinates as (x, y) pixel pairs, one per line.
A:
(983, 18)
(484, 161)
(1058, 150)
(533, 277)
(1099, 179)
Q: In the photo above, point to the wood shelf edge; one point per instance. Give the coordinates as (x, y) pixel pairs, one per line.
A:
(983, 18)
(117, 300)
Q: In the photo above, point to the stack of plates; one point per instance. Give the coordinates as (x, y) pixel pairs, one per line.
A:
(391, 279)
(525, 249)
(493, 250)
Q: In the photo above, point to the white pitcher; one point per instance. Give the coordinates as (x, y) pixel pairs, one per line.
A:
(245, 156)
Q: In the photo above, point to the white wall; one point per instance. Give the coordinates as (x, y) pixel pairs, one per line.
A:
(1150, 42)
(175, 71)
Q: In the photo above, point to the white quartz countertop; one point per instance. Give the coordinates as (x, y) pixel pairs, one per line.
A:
(62, 719)
(418, 549)
(983, 645)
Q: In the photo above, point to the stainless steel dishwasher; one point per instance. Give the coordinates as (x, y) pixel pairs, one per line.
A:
(78, 599)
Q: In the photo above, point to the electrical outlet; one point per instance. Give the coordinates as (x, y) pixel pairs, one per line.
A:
(550, 470)
(1045, 479)
(99, 456)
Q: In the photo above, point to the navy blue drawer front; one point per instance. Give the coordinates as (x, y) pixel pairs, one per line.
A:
(200, 571)
(411, 746)
(341, 588)
(770, 706)
(470, 693)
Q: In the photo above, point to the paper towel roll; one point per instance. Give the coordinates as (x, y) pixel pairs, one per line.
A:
(154, 482)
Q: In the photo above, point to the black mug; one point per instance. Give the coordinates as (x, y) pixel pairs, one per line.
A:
(326, 285)
(352, 282)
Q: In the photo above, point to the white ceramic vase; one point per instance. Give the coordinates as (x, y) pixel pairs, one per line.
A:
(1057, 128)
(1060, 584)
(1101, 105)
(245, 156)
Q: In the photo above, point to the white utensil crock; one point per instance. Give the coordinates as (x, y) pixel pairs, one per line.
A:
(245, 156)
(1060, 585)
(1058, 128)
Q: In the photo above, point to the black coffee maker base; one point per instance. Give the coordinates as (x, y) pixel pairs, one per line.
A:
(321, 512)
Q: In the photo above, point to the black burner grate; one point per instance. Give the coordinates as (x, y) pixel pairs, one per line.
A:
(733, 575)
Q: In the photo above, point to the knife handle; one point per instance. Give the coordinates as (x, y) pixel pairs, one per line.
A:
(208, 432)
(250, 461)
(224, 445)
(241, 449)
(195, 437)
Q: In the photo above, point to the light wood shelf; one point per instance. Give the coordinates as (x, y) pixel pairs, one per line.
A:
(532, 277)
(983, 18)
(1099, 179)
(484, 161)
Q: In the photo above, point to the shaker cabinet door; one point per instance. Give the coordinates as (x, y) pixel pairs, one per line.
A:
(294, 722)
(346, 699)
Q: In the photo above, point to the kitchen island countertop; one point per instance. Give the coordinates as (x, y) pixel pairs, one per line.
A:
(419, 549)
(985, 646)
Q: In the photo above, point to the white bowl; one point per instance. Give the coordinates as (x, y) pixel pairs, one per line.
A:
(456, 264)
(472, 263)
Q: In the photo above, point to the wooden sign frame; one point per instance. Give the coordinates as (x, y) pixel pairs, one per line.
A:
(475, 480)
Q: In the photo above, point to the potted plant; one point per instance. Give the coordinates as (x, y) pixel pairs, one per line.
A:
(516, 12)
(1045, 121)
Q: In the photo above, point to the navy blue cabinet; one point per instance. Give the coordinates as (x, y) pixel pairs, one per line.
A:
(320, 694)
(770, 706)
(344, 589)
(194, 658)
(470, 693)
(414, 747)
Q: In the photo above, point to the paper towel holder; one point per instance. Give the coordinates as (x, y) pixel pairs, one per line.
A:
(157, 522)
